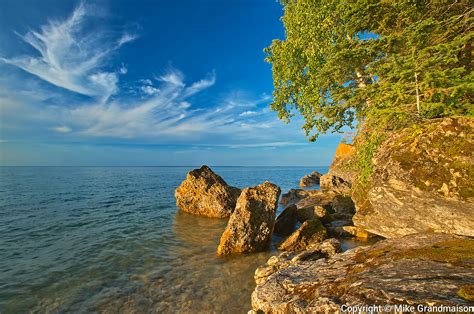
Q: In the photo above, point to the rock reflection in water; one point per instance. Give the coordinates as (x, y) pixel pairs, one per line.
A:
(195, 280)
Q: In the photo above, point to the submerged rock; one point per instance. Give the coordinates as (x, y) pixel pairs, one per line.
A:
(205, 193)
(311, 231)
(422, 181)
(251, 225)
(427, 269)
(310, 179)
(286, 221)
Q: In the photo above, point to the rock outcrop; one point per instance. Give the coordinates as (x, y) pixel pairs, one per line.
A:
(310, 231)
(251, 225)
(205, 193)
(310, 179)
(420, 269)
(302, 198)
(334, 210)
(314, 251)
(421, 182)
(339, 178)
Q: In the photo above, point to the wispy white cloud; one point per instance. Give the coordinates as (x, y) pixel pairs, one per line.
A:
(149, 90)
(201, 85)
(62, 129)
(165, 109)
(248, 113)
(70, 57)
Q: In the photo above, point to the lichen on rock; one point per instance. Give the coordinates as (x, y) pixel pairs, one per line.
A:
(421, 181)
(427, 269)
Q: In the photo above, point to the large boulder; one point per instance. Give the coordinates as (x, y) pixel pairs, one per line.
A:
(310, 179)
(422, 181)
(205, 193)
(416, 270)
(251, 225)
(310, 231)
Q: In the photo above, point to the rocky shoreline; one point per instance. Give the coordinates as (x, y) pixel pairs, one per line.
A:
(427, 258)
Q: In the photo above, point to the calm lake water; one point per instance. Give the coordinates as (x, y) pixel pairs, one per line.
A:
(110, 239)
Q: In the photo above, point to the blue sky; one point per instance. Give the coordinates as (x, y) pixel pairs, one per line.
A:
(144, 83)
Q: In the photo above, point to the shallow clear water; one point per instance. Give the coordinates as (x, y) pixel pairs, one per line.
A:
(110, 239)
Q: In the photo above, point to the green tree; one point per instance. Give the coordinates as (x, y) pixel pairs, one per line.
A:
(344, 61)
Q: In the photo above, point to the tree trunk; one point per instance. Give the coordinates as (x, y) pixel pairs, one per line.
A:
(418, 109)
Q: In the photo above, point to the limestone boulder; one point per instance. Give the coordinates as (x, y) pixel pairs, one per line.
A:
(310, 179)
(205, 193)
(250, 226)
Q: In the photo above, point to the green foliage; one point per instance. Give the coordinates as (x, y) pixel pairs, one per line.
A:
(348, 61)
(368, 144)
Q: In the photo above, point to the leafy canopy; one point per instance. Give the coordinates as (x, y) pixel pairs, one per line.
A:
(344, 61)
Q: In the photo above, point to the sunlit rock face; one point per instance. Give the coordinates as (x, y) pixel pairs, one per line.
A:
(310, 231)
(422, 181)
(251, 225)
(429, 269)
(339, 177)
(310, 179)
(205, 193)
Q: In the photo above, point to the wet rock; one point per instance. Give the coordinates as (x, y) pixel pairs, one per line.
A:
(310, 179)
(425, 269)
(311, 231)
(286, 221)
(205, 193)
(422, 181)
(251, 225)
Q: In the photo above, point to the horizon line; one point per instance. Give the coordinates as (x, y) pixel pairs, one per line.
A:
(154, 166)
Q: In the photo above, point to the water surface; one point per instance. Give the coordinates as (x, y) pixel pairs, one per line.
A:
(110, 239)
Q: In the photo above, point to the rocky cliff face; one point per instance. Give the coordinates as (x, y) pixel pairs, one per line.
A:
(420, 269)
(339, 178)
(422, 181)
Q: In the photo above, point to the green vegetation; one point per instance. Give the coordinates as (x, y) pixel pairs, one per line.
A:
(384, 63)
